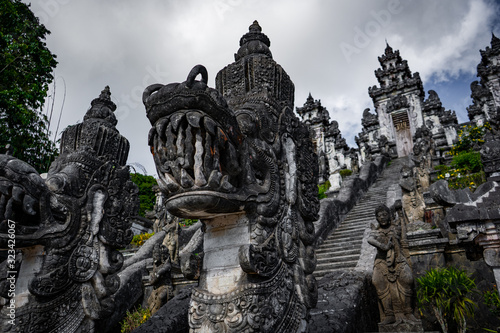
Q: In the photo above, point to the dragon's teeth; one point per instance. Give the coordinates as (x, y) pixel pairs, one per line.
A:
(186, 180)
(171, 183)
(225, 185)
(214, 179)
(194, 118)
(209, 125)
(176, 120)
(160, 128)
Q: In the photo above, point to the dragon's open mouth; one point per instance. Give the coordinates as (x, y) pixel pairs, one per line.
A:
(206, 164)
(193, 153)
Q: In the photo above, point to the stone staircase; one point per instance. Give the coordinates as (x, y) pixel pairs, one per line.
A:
(342, 249)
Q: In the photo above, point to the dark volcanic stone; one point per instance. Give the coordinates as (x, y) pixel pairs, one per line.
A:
(171, 318)
(346, 303)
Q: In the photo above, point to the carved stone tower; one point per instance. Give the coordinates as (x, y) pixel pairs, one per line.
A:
(398, 101)
(328, 142)
(485, 94)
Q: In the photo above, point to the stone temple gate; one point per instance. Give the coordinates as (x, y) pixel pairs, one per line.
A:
(400, 110)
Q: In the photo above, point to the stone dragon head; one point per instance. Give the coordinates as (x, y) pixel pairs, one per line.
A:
(238, 153)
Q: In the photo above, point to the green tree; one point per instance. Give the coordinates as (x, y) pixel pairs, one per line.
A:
(146, 194)
(26, 67)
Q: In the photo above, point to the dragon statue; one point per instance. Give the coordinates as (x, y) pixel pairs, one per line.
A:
(238, 158)
(62, 232)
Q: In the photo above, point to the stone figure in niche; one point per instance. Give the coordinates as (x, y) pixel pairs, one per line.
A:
(413, 201)
(423, 151)
(383, 144)
(323, 167)
(171, 240)
(70, 227)
(239, 159)
(168, 223)
(354, 162)
(160, 278)
(392, 275)
(369, 119)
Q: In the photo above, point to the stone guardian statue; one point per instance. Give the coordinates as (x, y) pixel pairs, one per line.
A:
(392, 275)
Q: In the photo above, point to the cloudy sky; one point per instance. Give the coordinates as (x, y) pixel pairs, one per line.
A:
(329, 49)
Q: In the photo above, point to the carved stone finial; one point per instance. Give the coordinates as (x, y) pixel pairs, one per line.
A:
(102, 108)
(495, 41)
(253, 42)
(388, 48)
(255, 27)
(97, 132)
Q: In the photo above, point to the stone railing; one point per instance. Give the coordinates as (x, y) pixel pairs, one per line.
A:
(334, 210)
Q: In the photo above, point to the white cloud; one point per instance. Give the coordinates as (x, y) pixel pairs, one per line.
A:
(116, 43)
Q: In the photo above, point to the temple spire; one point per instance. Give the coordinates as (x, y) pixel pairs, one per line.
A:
(253, 42)
(388, 48)
(495, 41)
(102, 108)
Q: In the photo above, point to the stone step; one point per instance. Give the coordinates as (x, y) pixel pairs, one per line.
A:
(325, 256)
(324, 269)
(352, 227)
(343, 240)
(359, 225)
(358, 221)
(350, 232)
(353, 237)
(367, 214)
(322, 264)
(339, 246)
(330, 252)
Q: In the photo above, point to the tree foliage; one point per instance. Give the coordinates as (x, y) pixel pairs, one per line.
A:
(26, 67)
(146, 194)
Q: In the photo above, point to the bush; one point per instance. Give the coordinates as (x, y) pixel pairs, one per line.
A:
(322, 188)
(460, 178)
(446, 290)
(492, 300)
(469, 161)
(468, 137)
(138, 240)
(472, 181)
(345, 173)
(134, 319)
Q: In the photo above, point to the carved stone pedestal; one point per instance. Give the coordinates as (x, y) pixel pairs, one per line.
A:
(402, 327)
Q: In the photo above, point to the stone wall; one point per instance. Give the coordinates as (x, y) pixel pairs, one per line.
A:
(347, 303)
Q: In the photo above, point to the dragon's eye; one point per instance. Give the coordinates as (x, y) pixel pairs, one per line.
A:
(246, 123)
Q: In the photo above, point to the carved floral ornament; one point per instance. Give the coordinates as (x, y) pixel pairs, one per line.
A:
(397, 103)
